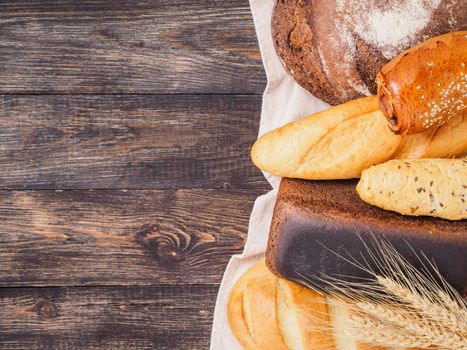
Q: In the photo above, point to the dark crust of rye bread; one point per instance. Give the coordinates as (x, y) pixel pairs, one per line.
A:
(313, 219)
(298, 26)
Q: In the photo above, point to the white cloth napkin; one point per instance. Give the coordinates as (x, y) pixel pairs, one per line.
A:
(283, 101)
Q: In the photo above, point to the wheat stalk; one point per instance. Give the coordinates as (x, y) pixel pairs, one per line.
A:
(440, 313)
(399, 323)
(376, 332)
(390, 314)
(400, 305)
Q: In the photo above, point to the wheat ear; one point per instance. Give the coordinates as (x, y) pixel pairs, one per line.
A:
(376, 332)
(401, 305)
(428, 309)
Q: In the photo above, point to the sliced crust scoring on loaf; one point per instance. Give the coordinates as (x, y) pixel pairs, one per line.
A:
(337, 143)
(259, 308)
(235, 307)
(308, 320)
(252, 310)
(429, 187)
(303, 317)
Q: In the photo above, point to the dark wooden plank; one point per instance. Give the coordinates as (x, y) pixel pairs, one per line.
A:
(121, 46)
(106, 318)
(130, 142)
(69, 238)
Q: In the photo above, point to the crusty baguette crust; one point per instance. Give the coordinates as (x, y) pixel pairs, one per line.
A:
(337, 143)
(430, 187)
(448, 140)
(340, 142)
(426, 85)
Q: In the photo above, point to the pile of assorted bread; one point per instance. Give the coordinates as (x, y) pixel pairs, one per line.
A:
(392, 208)
(419, 113)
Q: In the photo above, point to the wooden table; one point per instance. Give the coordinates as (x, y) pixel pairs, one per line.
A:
(126, 183)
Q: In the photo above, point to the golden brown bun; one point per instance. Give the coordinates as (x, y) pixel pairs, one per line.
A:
(446, 141)
(252, 310)
(425, 86)
(433, 187)
(337, 143)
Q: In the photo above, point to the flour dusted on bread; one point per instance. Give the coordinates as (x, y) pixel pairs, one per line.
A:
(335, 48)
(393, 29)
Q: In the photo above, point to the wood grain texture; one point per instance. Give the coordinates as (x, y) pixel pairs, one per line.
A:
(71, 238)
(120, 46)
(114, 318)
(128, 142)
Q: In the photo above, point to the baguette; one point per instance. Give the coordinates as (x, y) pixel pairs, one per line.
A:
(448, 140)
(341, 142)
(430, 187)
(426, 85)
(337, 143)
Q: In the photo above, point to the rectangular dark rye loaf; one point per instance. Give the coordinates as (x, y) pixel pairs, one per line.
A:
(316, 222)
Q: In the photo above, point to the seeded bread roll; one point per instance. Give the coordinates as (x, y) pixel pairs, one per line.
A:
(334, 49)
(430, 187)
(425, 86)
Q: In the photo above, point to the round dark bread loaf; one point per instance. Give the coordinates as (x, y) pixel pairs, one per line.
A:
(335, 48)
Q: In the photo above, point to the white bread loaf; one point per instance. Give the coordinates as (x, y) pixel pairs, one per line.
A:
(235, 307)
(252, 310)
(305, 318)
(259, 309)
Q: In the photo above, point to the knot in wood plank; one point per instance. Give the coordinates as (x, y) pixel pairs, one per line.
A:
(48, 309)
(167, 247)
(40, 308)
